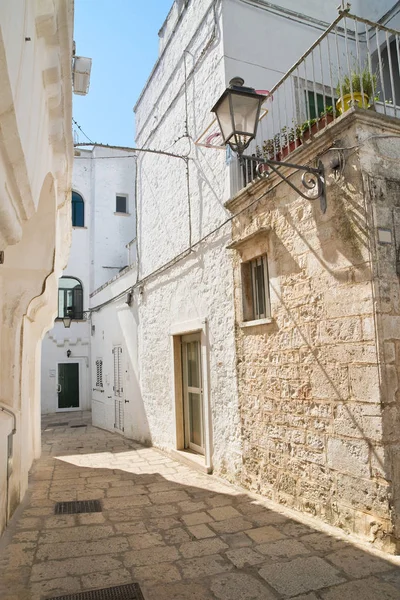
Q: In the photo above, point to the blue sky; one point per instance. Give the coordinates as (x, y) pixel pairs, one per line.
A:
(121, 38)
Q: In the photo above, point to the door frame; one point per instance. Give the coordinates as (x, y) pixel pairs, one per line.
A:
(81, 362)
(199, 326)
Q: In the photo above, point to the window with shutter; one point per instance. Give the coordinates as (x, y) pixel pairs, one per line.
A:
(99, 373)
(117, 351)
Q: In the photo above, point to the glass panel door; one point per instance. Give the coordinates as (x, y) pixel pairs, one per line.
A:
(68, 386)
(193, 393)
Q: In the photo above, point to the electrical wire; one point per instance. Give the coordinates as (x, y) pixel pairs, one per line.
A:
(81, 130)
(185, 252)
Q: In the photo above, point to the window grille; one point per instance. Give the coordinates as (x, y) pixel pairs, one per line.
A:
(255, 286)
(99, 373)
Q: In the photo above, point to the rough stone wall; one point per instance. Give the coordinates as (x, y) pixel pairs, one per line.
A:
(318, 428)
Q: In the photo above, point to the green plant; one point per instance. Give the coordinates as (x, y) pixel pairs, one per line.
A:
(357, 81)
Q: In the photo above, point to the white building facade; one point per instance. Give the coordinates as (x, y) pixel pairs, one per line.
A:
(176, 339)
(103, 223)
(36, 50)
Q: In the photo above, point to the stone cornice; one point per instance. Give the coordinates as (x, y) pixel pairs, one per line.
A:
(313, 149)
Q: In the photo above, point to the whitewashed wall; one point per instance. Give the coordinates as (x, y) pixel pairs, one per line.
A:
(117, 325)
(98, 175)
(178, 204)
(35, 180)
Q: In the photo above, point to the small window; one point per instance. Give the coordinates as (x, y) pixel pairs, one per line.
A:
(70, 298)
(121, 204)
(99, 373)
(316, 110)
(78, 210)
(255, 286)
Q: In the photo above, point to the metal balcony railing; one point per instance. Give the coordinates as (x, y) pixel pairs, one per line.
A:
(354, 62)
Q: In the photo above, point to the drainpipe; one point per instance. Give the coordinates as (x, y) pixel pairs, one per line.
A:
(9, 453)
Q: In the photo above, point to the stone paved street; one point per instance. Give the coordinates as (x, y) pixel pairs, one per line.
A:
(181, 534)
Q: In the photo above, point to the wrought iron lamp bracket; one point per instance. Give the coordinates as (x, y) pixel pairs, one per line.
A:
(312, 178)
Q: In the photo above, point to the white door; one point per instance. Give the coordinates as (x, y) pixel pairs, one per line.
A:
(193, 393)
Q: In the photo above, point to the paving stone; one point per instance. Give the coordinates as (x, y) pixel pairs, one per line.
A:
(357, 563)
(294, 529)
(231, 525)
(240, 586)
(145, 540)
(164, 572)
(164, 510)
(190, 536)
(201, 531)
(168, 497)
(177, 591)
(265, 534)
(90, 518)
(323, 543)
(224, 512)
(20, 554)
(197, 518)
(130, 528)
(150, 556)
(163, 523)
(74, 566)
(73, 534)
(176, 536)
(106, 579)
(244, 557)
(126, 491)
(138, 500)
(69, 549)
(204, 566)
(287, 548)
(58, 586)
(60, 521)
(300, 575)
(237, 540)
(202, 547)
(367, 589)
(189, 506)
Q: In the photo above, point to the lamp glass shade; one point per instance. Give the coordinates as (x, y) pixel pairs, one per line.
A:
(224, 117)
(245, 113)
(81, 75)
(237, 112)
(67, 322)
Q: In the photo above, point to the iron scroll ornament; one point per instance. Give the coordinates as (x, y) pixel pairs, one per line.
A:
(312, 178)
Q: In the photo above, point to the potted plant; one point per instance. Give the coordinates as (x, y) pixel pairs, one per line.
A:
(311, 127)
(358, 87)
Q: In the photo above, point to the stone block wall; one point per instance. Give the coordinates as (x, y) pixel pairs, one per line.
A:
(318, 384)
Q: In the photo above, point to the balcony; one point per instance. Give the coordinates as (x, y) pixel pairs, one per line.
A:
(355, 62)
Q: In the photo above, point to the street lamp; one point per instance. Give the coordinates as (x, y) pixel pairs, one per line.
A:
(67, 322)
(238, 112)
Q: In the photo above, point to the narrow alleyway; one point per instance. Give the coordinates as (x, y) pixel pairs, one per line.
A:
(180, 534)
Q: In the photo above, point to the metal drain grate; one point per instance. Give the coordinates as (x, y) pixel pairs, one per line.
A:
(83, 425)
(131, 591)
(77, 506)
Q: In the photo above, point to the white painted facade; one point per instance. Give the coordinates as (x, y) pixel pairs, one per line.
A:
(98, 251)
(35, 179)
(184, 282)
